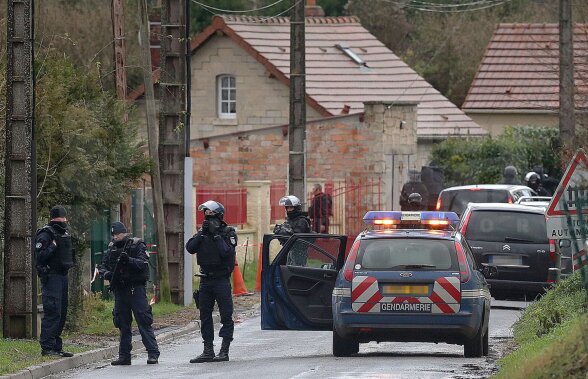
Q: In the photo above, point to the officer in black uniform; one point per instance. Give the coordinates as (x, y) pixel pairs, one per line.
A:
(214, 246)
(54, 258)
(126, 266)
(297, 220)
(415, 202)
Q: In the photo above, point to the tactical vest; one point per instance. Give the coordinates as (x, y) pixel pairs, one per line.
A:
(62, 259)
(208, 254)
(123, 273)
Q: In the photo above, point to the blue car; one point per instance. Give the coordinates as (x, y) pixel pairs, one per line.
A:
(409, 277)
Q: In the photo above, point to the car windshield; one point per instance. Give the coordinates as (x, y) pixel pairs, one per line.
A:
(506, 226)
(457, 201)
(407, 254)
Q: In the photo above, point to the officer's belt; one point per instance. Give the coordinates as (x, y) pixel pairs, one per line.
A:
(217, 274)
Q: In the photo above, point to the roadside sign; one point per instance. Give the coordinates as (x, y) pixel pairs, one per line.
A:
(574, 185)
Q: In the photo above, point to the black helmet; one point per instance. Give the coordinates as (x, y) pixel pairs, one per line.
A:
(510, 172)
(217, 208)
(415, 198)
(533, 179)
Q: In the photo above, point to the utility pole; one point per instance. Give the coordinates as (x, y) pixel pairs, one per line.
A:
(118, 32)
(297, 124)
(20, 213)
(567, 119)
(162, 263)
(172, 144)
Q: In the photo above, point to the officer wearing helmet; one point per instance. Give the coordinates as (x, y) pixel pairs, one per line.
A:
(415, 202)
(534, 182)
(214, 245)
(297, 221)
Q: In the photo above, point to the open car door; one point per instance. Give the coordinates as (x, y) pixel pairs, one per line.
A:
(297, 285)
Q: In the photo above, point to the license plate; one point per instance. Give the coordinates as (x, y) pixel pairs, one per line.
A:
(505, 260)
(403, 289)
(406, 307)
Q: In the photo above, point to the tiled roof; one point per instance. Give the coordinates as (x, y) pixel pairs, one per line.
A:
(520, 70)
(333, 80)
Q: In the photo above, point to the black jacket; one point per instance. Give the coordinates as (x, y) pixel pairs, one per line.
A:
(58, 257)
(215, 252)
(298, 223)
(135, 271)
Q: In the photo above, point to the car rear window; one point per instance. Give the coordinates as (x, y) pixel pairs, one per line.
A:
(506, 226)
(407, 253)
(457, 201)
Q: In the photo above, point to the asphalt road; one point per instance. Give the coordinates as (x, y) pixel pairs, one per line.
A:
(290, 354)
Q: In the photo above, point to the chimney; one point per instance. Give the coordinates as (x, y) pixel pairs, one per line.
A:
(313, 10)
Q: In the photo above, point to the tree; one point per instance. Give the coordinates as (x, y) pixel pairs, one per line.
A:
(87, 157)
(482, 160)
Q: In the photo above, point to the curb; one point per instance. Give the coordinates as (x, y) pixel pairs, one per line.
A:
(92, 356)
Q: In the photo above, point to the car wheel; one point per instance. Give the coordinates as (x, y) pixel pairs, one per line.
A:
(344, 347)
(474, 348)
(485, 346)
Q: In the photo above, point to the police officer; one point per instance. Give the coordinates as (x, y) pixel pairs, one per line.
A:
(214, 246)
(54, 258)
(414, 185)
(415, 202)
(534, 182)
(297, 221)
(510, 176)
(126, 266)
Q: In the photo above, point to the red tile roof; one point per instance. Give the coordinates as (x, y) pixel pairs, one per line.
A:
(520, 70)
(334, 82)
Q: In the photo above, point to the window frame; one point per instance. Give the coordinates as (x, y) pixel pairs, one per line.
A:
(219, 96)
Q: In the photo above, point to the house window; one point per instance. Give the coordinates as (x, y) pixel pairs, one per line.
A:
(227, 97)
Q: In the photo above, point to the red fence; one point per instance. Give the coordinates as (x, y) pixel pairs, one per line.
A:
(277, 191)
(234, 201)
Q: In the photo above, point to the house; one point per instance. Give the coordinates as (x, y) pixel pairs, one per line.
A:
(517, 82)
(369, 115)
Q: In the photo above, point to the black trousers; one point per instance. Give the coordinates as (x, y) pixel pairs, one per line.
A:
(131, 300)
(218, 289)
(54, 296)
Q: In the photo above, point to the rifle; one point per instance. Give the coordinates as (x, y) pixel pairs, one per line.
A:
(113, 281)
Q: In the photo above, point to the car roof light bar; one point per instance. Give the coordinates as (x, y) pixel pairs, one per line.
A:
(397, 217)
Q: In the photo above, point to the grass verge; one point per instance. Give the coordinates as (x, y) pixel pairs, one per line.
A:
(98, 315)
(15, 355)
(552, 336)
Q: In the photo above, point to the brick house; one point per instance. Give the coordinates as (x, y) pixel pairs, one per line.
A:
(517, 82)
(369, 115)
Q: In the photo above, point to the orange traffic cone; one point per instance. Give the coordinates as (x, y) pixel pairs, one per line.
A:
(239, 288)
(258, 279)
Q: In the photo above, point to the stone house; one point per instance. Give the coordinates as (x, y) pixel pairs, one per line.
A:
(517, 82)
(369, 115)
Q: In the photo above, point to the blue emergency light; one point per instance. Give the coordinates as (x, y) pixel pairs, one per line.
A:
(389, 218)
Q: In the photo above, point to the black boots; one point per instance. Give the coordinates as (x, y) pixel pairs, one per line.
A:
(121, 362)
(223, 354)
(152, 359)
(206, 356)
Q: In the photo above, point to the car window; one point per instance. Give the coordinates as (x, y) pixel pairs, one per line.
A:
(407, 253)
(315, 253)
(506, 226)
(457, 201)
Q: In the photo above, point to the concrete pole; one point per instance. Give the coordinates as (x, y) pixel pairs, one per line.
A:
(297, 125)
(567, 119)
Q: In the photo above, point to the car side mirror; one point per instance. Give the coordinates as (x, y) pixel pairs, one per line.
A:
(489, 271)
(565, 243)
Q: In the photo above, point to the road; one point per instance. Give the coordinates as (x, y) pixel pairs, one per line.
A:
(289, 354)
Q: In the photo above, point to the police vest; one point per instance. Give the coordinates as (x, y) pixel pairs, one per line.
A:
(62, 258)
(123, 274)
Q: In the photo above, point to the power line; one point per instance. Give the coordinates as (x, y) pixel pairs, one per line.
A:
(448, 8)
(210, 7)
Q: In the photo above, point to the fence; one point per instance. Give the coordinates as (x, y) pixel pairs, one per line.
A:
(234, 201)
(277, 191)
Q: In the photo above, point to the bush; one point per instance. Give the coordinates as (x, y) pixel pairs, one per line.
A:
(482, 160)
